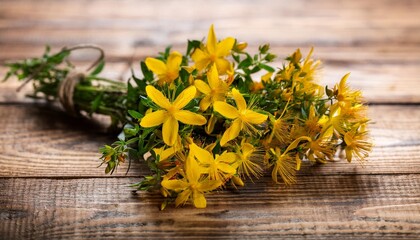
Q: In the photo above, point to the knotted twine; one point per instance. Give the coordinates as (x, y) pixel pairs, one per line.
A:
(65, 91)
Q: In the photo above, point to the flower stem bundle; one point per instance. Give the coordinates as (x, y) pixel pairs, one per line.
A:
(216, 116)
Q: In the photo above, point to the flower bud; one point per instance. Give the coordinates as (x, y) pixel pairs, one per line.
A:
(238, 181)
(241, 46)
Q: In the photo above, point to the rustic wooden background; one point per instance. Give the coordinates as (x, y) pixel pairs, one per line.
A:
(50, 186)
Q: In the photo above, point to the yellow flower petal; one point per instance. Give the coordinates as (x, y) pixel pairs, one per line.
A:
(224, 46)
(226, 168)
(343, 82)
(199, 199)
(156, 66)
(185, 97)
(190, 118)
(153, 119)
(254, 117)
(192, 169)
(170, 131)
(209, 185)
(165, 153)
(227, 157)
(203, 156)
(232, 132)
(228, 111)
(223, 65)
(189, 69)
(176, 185)
(205, 103)
(210, 124)
(211, 41)
(247, 149)
(266, 77)
(239, 99)
(213, 77)
(348, 139)
(201, 59)
(157, 97)
(202, 87)
(174, 61)
(183, 197)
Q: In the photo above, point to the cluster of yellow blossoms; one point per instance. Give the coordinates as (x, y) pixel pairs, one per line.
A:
(208, 124)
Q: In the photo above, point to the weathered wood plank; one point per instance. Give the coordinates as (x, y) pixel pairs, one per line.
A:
(37, 141)
(318, 207)
(153, 23)
(383, 74)
(39, 137)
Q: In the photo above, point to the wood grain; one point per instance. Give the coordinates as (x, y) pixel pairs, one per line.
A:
(318, 207)
(157, 23)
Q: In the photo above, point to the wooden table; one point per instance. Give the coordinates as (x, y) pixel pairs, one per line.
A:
(50, 186)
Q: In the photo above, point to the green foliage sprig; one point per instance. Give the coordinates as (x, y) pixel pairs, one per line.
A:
(94, 94)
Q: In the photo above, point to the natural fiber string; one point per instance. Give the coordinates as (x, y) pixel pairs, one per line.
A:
(66, 87)
(66, 91)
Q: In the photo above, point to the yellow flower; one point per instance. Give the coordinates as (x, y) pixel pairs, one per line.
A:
(280, 131)
(333, 123)
(166, 153)
(319, 149)
(285, 166)
(309, 67)
(214, 52)
(241, 116)
(192, 185)
(171, 113)
(215, 90)
(344, 94)
(168, 72)
(219, 167)
(312, 124)
(357, 145)
(247, 161)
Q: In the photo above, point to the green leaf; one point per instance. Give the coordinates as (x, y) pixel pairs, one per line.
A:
(304, 114)
(148, 75)
(98, 68)
(245, 63)
(135, 114)
(255, 69)
(132, 140)
(236, 57)
(96, 102)
(266, 67)
(192, 44)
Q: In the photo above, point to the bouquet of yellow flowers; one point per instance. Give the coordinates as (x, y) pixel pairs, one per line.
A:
(214, 117)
